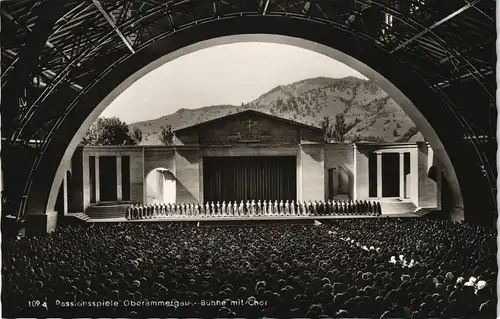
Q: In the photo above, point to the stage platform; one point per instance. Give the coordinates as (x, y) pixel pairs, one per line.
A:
(234, 220)
(114, 212)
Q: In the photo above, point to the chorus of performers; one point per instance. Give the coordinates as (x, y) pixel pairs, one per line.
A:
(255, 208)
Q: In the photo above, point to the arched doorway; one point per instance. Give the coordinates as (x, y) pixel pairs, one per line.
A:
(340, 182)
(160, 186)
(401, 82)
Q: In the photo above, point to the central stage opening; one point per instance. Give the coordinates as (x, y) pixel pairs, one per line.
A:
(247, 178)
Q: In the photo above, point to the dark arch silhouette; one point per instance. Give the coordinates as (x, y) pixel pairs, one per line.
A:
(402, 75)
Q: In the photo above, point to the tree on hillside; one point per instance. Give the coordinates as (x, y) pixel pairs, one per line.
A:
(279, 102)
(136, 135)
(166, 135)
(327, 127)
(334, 131)
(408, 135)
(108, 131)
(340, 128)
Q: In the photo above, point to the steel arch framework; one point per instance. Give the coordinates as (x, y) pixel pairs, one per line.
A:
(57, 66)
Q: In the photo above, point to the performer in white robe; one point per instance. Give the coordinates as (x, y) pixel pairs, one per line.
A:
(235, 209)
(127, 213)
(202, 210)
(132, 212)
(241, 209)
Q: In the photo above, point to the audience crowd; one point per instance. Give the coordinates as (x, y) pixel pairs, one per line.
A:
(255, 208)
(368, 268)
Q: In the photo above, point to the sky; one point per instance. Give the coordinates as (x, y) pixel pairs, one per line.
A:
(226, 74)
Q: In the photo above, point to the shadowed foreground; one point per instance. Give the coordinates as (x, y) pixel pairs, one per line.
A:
(274, 271)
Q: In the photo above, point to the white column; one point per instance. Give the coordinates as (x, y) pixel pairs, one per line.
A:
(355, 174)
(86, 181)
(65, 193)
(299, 174)
(379, 175)
(97, 183)
(414, 176)
(401, 175)
(119, 196)
(143, 178)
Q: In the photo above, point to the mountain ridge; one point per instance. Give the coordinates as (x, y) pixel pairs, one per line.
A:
(373, 115)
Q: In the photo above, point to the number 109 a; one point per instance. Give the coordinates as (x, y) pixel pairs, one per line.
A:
(36, 303)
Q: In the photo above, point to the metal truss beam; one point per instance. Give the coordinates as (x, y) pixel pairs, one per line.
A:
(28, 60)
(48, 73)
(265, 7)
(438, 23)
(48, 44)
(113, 25)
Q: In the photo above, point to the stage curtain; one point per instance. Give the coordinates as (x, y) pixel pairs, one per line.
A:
(247, 178)
(107, 178)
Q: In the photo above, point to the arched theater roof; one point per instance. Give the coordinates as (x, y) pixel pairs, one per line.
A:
(54, 52)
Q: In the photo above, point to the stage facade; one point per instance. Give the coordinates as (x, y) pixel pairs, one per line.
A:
(251, 155)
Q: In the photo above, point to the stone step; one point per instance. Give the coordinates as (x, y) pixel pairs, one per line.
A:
(105, 215)
(106, 211)
(423, 211)
(397, 207)
(81, 216)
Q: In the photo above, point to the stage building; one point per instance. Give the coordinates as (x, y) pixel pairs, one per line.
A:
(252, 155)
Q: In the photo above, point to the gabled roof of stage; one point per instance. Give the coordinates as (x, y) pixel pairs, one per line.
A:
(248, 112)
